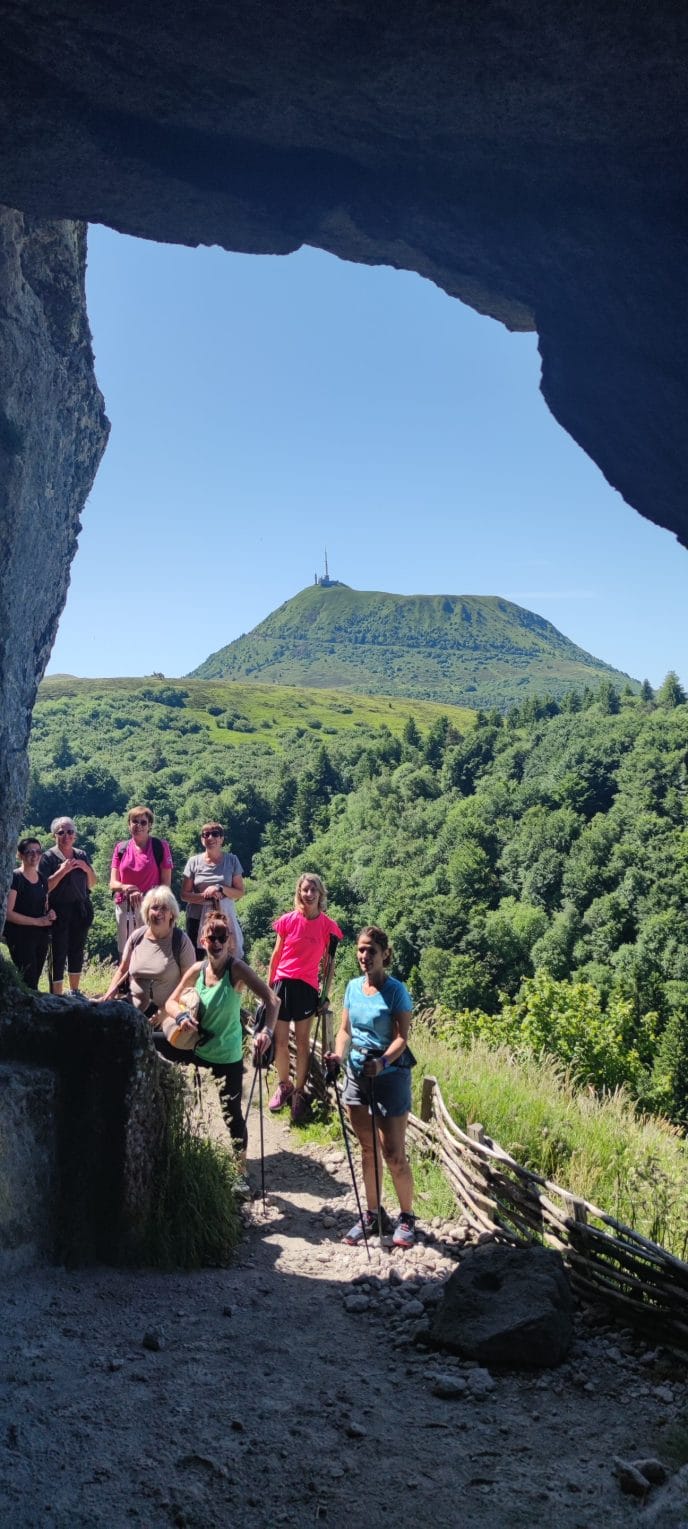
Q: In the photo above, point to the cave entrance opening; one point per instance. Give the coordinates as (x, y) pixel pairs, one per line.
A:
(266, 407)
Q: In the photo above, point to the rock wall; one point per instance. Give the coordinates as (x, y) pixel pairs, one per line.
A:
(52, 434)
(28, 1165)
(530, 159)
(90, 1109)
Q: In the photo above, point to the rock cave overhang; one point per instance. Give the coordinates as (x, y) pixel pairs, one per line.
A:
(530, 160)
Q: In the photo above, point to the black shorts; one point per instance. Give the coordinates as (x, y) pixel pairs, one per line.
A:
(299, 999)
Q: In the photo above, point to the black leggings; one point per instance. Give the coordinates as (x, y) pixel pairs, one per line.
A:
(28, 949)
(230, 1077)
(68, 935)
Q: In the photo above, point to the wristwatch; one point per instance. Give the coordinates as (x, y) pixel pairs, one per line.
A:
(385, 1062)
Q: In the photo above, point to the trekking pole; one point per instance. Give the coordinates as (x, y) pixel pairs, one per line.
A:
(262, 1144)
(262, 1062)
(323, 998)
(373, 1116)
(352, 1170)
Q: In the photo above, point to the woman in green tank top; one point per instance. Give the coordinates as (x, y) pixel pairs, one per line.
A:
(219, 980)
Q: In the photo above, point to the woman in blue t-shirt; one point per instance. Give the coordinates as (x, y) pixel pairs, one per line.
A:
(373, 1037)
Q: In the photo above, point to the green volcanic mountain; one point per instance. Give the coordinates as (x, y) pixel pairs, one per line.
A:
(471, 650)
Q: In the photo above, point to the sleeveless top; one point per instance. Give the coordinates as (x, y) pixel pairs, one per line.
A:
(220, 1020)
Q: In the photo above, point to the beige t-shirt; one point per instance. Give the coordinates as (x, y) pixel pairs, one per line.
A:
(153, 971)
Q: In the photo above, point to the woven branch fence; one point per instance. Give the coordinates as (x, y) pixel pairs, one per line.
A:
(645, 1285)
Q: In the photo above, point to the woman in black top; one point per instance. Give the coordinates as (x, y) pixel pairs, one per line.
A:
(27, 923)
(70, 876)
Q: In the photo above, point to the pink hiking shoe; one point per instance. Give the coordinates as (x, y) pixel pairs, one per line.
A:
(281, 1096)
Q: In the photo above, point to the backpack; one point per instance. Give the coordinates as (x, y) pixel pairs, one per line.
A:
(158, 850)
(177, 942)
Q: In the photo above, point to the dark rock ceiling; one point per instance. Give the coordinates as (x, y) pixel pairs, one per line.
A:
(528, 158)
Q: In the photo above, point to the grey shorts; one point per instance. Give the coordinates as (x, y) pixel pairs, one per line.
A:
(392, 1091)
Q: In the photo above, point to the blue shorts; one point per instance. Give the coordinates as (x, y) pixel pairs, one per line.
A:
(392, 1091)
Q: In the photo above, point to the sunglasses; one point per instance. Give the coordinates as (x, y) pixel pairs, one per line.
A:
(65, 833)
(217, 939)
(30, 853)
(139, 822)
(212, 833)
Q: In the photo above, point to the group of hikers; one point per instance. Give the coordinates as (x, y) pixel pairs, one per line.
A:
(188, 984)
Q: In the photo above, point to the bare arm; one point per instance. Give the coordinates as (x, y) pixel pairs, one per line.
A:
(402, 1022)
(23, 918)
(172, 1005)
(242, 973)
(274, 959)
(342, 1043)
(119, 976)
(63, 870)
(121, 886)
(90, 874)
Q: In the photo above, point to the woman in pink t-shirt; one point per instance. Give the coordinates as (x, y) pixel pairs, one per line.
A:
(303, 938)
(138, 864)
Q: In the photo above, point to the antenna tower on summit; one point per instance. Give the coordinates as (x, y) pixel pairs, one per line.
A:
(324, 581)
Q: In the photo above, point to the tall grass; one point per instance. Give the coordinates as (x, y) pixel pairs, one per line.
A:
(194, 1221)
(634, 1167)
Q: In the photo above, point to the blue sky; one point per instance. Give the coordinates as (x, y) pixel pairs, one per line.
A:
(264, 407)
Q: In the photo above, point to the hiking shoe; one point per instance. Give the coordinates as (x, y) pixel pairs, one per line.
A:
(405, 1231)
(242, 1188)
(368, 1227)
(281, 1096)
(299, 1106)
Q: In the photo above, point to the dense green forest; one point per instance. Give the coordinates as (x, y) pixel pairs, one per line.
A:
(471, 650)
(532, 869)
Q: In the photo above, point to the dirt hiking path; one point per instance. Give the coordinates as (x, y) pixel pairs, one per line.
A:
(263, 1401)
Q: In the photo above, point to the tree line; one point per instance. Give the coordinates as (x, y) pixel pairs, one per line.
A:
(531, 869)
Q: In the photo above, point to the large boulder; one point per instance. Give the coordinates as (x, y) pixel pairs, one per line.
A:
(506, 1307)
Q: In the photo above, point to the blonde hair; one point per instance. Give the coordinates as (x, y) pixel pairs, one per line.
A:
(159, 895)
(322, 891)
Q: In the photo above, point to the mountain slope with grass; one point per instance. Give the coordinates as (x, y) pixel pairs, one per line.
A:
(469, 650)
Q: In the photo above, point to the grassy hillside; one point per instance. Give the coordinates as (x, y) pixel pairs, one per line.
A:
(467, 650)
(229, 712)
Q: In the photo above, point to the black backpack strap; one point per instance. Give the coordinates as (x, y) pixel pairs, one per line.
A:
(158, 850)
(120, 848)
(177, 945)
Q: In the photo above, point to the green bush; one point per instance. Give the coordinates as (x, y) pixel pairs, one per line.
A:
(606, 1047)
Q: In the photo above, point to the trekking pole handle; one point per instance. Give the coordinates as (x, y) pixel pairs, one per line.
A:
(333, 1066)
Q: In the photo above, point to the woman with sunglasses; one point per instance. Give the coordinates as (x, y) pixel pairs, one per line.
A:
(218, 981)
(214, 880)
(70, 876)
(155, 956)
(28, 922)
(138, 864)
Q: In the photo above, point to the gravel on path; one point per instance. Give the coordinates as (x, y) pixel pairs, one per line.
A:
(263, 1395)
